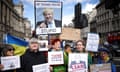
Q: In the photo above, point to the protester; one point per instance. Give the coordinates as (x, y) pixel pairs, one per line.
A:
(6, 50)
(67, 50)
(109, 46)
(105, 58)
(32, 56)
(56, 46)
(80, 48)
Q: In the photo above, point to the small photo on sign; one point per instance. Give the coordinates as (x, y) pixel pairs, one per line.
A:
(43, 45)
(43, 37)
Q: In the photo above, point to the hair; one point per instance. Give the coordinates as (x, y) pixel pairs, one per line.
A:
(33, 40)
(66, 46)
(82, 41)
(47, 10)
(5, 48)
(55, 40)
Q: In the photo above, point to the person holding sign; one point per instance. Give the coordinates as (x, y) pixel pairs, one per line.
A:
(32, 56)
(6, 50)
(56, 46)
(105, 58)
(80, 48)
(49, 21)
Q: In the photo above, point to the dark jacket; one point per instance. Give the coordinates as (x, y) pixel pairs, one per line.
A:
(31, 58)
(57, 23)
(10, 71)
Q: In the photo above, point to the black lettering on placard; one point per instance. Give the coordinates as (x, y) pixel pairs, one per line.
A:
(52, 30)
(44, 30)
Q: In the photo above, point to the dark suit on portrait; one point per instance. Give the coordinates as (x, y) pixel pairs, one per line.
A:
(58, 23)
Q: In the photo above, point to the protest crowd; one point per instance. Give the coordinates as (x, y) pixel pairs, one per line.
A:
(56, 59)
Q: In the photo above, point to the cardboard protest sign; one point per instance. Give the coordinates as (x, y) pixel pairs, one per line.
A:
(78, 62)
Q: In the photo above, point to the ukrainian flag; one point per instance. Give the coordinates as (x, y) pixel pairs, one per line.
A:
(18, 43)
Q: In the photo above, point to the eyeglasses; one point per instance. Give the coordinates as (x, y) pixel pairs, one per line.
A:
(11, 49)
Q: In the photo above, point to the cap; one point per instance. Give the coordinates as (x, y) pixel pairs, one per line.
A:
(33, 40)
(103, 49)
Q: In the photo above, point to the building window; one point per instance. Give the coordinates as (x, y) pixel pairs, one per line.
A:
(113, 25)
(7, 16)
(3, 13)
(117, 22)
(0, 12)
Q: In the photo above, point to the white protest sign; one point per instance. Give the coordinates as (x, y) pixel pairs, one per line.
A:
(10, 62)
(41, 68)
(78, 62)
(44, 26)
(47, 30)
(92, 42)
(100, 67)
(55, 58)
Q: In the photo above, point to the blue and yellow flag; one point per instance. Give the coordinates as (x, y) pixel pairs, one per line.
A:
(18, 43)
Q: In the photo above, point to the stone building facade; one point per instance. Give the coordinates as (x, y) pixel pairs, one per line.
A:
(11, 20)
(106, 20)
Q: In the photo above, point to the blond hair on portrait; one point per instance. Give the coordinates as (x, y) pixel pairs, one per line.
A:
(46, 10)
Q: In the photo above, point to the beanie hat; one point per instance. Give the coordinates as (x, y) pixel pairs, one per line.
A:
(104, 49)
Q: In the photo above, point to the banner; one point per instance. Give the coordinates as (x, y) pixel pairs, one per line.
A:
(48, 17)
(78, 62)
(100, 67)
(92, 42)
(18, 43)
(55, 58)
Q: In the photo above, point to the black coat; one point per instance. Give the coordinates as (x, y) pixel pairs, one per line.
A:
(9, 71)
(31, 58)
(57, 23)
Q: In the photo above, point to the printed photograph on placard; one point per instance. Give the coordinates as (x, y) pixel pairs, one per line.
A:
(43, 45)
(43, 37)
(48, 17)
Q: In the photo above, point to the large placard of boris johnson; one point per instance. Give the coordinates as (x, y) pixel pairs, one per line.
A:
(48, 17)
